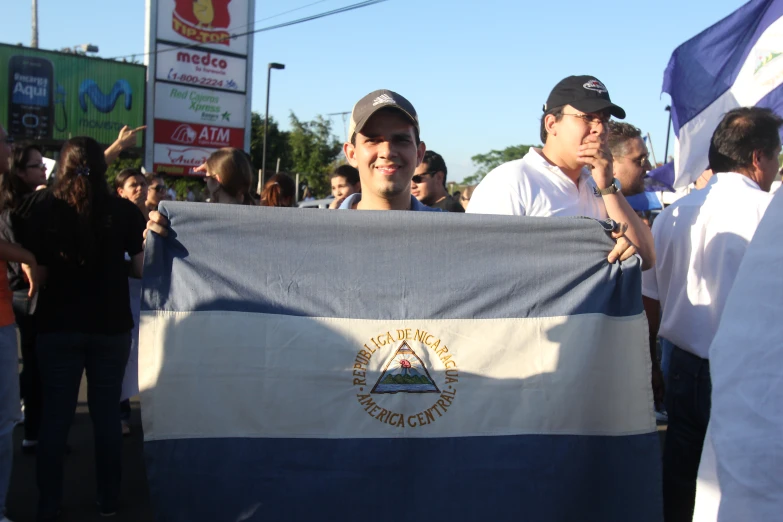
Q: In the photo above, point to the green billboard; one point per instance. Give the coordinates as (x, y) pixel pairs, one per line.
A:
(52, 96)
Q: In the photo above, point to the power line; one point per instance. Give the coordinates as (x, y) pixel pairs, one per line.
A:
(347, 8)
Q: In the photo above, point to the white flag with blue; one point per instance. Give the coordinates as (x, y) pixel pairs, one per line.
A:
(357, 365)
(738, 62)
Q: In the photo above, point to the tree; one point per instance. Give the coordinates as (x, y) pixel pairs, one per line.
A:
(313, 151)
(276, 146)
(130, 159)
(494, 158)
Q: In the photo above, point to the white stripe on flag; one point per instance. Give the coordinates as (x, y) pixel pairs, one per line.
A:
(261, 375)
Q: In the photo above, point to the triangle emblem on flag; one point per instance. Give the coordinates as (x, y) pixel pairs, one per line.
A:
(405, 373)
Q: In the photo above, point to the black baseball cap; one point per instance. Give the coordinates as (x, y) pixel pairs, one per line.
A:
(584, 93)
(375, 101)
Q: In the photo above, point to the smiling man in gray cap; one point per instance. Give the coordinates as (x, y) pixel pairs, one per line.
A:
(572, 174)
(386, 149)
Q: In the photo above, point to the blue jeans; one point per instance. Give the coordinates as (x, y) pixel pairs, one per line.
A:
(9, 406)
(62, 357)
(688, 401)
(29, 380)
(666, 356)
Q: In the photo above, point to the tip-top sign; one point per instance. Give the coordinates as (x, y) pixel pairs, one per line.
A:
(203, 21)
(208, 23)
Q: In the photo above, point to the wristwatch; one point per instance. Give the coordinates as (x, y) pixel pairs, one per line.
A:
(614, 188)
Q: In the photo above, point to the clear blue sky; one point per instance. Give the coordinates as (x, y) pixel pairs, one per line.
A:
(477, 72)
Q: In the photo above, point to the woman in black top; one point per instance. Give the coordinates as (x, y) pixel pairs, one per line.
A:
(28, 172)
(80, 235)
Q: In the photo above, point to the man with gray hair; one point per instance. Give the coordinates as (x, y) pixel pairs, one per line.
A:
(630, 158)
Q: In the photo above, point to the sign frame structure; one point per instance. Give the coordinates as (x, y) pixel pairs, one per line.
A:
(159, 39)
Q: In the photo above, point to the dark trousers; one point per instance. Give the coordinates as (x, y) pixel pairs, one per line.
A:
(62, 358)
(29, 379)
(688, 391)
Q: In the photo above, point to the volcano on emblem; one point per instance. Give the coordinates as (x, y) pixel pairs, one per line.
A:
(405, 373)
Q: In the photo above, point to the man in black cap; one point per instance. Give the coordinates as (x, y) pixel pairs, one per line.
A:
(572, 174)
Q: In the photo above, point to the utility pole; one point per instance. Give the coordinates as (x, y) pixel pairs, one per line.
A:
(34, 43)
(345, 117)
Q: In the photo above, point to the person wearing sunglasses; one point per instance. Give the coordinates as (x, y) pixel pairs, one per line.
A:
(27, 173)
(157, 191)
(572, 174)
(428, 184)
(630, 158)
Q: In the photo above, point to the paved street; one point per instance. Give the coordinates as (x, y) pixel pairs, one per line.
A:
(79, 495)
(79, 490)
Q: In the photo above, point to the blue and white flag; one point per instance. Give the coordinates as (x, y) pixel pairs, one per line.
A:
(356, 365)
(738, 62)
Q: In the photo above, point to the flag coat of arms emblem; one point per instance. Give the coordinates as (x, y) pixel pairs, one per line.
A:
(317, 365)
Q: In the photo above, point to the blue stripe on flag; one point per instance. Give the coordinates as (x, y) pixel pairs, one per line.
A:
(531, 478)
(706, 66)
(391, 265)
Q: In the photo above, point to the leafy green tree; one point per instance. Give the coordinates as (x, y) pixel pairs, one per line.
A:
(277, 145)
(490, 160)
(314, 150)
(126, 160)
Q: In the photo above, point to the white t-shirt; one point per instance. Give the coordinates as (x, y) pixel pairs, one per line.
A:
(531, 186)
(699, 243)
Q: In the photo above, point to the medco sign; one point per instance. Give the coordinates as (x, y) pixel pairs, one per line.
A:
(202, 69)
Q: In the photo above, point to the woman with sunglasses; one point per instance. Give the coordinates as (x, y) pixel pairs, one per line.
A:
(28, 173)
(157, 191)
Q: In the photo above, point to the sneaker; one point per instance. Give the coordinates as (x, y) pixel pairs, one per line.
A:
(28, 447)
(126, 429)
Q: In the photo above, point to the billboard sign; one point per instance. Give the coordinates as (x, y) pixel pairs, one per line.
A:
(177, 133)
(199, 76)
(200, 69)
(194, 105)
(56, 96)
(206, 23)
(179, 160)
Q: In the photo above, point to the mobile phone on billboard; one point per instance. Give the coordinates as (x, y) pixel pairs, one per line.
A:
(30, 97)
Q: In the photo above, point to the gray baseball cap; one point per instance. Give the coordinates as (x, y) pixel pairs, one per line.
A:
(375, 101)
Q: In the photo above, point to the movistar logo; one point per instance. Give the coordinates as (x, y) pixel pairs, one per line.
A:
(105, 102)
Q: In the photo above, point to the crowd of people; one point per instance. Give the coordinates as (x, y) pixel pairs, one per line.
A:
(71, 255)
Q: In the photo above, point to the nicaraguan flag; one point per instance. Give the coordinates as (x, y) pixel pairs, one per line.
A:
(737, 62)
(355, 365)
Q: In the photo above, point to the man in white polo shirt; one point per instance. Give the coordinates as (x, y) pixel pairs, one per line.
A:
(572, 174)
(700, 241)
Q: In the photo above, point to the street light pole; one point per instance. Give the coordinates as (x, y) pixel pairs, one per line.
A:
(266, 121)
